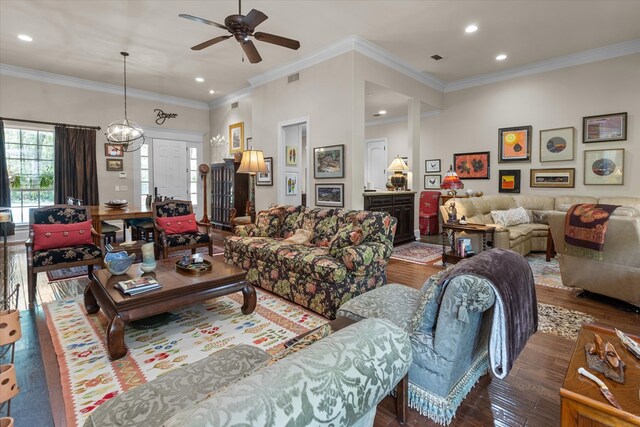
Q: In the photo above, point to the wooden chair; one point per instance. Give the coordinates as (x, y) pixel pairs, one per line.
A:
(241, 220)
(167, 242)
(56, 258)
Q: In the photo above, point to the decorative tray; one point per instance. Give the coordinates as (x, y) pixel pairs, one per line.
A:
(116, 204)
(193, 267)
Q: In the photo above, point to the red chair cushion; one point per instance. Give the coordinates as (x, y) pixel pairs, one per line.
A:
(51, 236)
(178, 224)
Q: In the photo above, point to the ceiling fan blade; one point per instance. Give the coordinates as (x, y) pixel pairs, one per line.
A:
(254, 18)
(278, 40)
(202, 20)
(209, 42)
(251, 52)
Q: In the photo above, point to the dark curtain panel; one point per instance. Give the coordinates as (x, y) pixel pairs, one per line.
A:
(76, 171)
(5, 190)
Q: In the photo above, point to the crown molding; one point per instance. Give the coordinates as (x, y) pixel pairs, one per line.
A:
(592, 55)
(232, 97)
(59, 79)
(378, 122)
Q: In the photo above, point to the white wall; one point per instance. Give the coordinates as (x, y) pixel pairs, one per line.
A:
(222, 117)
(470, 120)
(35, 100)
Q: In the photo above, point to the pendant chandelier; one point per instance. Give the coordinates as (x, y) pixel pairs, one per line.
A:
(124, 131)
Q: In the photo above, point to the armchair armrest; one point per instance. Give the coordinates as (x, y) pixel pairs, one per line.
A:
(98, 239)
(244, 230)
(362, 258)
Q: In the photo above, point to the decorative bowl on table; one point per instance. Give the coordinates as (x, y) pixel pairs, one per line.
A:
(118, 262)
(116, 204)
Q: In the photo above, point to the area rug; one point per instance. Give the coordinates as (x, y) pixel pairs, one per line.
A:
(417, 252)
(89, 378)
(561, 321)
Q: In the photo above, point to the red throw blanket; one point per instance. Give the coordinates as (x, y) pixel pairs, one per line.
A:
(585, 229)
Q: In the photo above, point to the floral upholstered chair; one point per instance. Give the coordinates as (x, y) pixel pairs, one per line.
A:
(176, 228)
(60, 236)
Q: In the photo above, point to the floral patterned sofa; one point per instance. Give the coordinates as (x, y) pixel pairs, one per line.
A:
(345, 257)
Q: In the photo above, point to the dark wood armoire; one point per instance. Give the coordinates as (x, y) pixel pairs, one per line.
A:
(228, 190)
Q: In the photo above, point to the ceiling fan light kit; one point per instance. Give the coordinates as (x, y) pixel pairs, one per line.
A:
(125, 131)
(242, 28)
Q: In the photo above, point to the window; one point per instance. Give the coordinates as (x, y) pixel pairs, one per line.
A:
(30, 164)
(144, 174)
(193, 175)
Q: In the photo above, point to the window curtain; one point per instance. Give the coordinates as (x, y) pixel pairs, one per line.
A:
(5, 190)
(76, 171)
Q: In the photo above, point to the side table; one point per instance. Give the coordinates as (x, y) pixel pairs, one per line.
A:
(449, 231)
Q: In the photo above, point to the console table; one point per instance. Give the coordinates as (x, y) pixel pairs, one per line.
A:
(399, 204)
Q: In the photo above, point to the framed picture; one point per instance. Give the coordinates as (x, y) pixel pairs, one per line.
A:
(291, 154)
(236, 138)
(266, 178)
(330, 195)
(328, 162)
(514, 144)
(431, 166)
(509, 181)
(291, 182)
(552, 178)
(557, 145)
(432, 181)
(113, 150)
(472, 165)
(607, 127)
(115, 165)
(604, 167)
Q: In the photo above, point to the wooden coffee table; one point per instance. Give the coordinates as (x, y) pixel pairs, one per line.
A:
(177, 290)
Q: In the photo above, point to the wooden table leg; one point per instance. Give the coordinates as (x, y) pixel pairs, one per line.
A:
(551, 247)
(402, 399)
(90, 302)
(249, 294)
(115, 338)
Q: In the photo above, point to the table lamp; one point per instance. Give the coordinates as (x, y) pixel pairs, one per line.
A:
(452, 182)
(398, 179)
(252, 163)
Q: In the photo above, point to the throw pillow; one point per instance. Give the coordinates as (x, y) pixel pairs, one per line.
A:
(538, 217)
(52, 236)
(511, 217)
(347, 235)
(301, 237)
(424, 318)
(178, 224)
(268, 222)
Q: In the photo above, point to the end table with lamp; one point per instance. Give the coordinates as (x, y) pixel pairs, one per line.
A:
(252, 163)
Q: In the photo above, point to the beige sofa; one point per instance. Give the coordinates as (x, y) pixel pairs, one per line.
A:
(617, 276)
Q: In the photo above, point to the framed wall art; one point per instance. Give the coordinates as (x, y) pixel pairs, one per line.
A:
(557, 145)
(509, 181)
(328, 162)
(432, 182)
(291, 183)
(472, 165)
(330, 195)
(236, 138)
(514, 144)
(431, 166)
(603, 128)
(113, 150)
(291, 155)
(604, 167)
(266, 178)
(552, 178)
(115, 165)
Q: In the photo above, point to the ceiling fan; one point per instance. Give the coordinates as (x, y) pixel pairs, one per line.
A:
(242, 28)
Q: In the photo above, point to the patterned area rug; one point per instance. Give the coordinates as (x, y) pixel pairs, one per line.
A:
(546, 273)
(560, 321)
(89, 378)
(417, 252)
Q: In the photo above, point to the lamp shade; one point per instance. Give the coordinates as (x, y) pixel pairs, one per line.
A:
(451, 181)
(252, 162)
(398, 165)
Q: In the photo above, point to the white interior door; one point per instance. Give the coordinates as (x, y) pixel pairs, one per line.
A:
(375, 169)
(170, 172)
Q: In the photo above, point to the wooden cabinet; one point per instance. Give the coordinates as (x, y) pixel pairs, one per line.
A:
(399, 204)
(228, 190)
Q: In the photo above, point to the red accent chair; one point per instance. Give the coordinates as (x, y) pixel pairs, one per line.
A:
(429, 202)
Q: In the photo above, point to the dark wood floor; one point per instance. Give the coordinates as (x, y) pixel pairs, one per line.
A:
(527, 397)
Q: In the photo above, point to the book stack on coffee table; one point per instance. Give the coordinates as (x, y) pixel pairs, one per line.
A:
(138, 286)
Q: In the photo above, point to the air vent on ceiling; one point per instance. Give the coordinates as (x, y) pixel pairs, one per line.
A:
(293, 77)
(234, 105)
(436, 57)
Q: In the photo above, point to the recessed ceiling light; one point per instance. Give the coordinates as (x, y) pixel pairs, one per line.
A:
(212, 91)
(199, 79)
(382, 112)
(25, 38)
(501, 57)
(471, 29)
